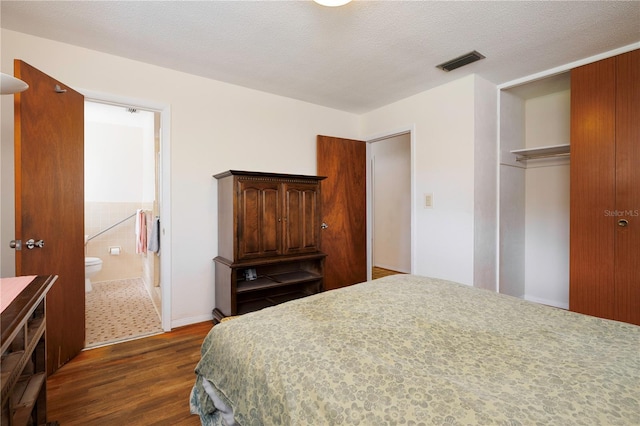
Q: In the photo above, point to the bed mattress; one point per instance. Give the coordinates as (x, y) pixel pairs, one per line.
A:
(409, 350)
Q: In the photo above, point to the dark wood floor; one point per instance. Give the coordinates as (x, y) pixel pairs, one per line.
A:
(141, 382)
(378, 272)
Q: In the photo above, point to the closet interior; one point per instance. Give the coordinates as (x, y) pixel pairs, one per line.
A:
(534, 190)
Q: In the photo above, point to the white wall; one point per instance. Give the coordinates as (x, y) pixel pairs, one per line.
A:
(217, 126)
(547, 235)
(119, 159)
(214, 127)
(443, 119)
(391, 184)
(485, 197)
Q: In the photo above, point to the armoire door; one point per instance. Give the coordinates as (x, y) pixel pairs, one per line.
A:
(301, 218)
(605, 189)
(259, 219)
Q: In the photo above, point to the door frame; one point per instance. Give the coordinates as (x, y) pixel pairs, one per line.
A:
(165, 185)
(378, 138)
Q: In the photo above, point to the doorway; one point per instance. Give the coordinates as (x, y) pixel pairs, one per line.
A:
(156, 270)
(123, 286)
(390, 206)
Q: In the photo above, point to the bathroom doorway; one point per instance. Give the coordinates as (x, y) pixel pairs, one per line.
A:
(122, 223)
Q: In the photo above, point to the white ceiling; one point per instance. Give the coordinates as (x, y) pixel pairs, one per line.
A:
(354, 58)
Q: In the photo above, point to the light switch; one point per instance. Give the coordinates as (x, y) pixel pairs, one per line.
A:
(428, 201)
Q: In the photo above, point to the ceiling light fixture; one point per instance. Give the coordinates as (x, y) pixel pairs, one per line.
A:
(10, 85)
(332, 3)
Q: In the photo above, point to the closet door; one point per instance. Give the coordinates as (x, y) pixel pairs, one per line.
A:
(627, 234)
(593, 161)
(605, 189)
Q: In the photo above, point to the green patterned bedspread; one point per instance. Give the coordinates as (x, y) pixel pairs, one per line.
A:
(408, 350)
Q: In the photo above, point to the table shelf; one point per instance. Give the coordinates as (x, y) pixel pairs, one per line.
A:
(23, 361)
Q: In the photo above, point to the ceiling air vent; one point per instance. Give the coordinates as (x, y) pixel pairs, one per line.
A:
(460, 61)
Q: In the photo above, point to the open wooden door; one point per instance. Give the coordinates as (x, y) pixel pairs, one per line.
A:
(344, 210)
(49, 175)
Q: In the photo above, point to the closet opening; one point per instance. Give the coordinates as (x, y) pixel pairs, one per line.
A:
(534, 190)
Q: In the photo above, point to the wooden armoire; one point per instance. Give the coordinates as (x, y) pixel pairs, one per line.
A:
(605, 189)
(268, 240)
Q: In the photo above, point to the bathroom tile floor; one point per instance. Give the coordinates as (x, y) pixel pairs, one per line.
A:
(119, 310)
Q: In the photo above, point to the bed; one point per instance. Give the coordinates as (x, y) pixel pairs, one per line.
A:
(409, 350)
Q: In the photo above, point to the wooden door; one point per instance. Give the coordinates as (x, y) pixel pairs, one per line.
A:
(605, 189)
(302, 223)
(343, 162)
(49, 175)
(593, 156)
(627, 238)
(259, 219)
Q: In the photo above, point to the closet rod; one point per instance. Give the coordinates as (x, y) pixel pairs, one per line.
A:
(535, 157)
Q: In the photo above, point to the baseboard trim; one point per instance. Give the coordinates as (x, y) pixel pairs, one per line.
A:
(190, 320)
(391, 268)
(553, 303)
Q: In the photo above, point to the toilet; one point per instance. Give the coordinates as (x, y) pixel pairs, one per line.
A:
(92, 265)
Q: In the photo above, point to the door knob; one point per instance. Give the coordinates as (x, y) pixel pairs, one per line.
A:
(16, 244)
(623, 222)
(31, 243)
(324, 226)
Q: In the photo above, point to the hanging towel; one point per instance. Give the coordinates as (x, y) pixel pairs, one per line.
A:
(154, 239)
(141, 232)
(137, 230)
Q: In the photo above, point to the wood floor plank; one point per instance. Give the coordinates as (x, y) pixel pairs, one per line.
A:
(141, 382)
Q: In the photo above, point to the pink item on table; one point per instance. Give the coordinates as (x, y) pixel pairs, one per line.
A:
(10, 288)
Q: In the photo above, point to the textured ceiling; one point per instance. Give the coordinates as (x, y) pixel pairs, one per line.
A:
(354, 58)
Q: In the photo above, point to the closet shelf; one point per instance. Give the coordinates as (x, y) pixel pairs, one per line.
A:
(542, 152)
